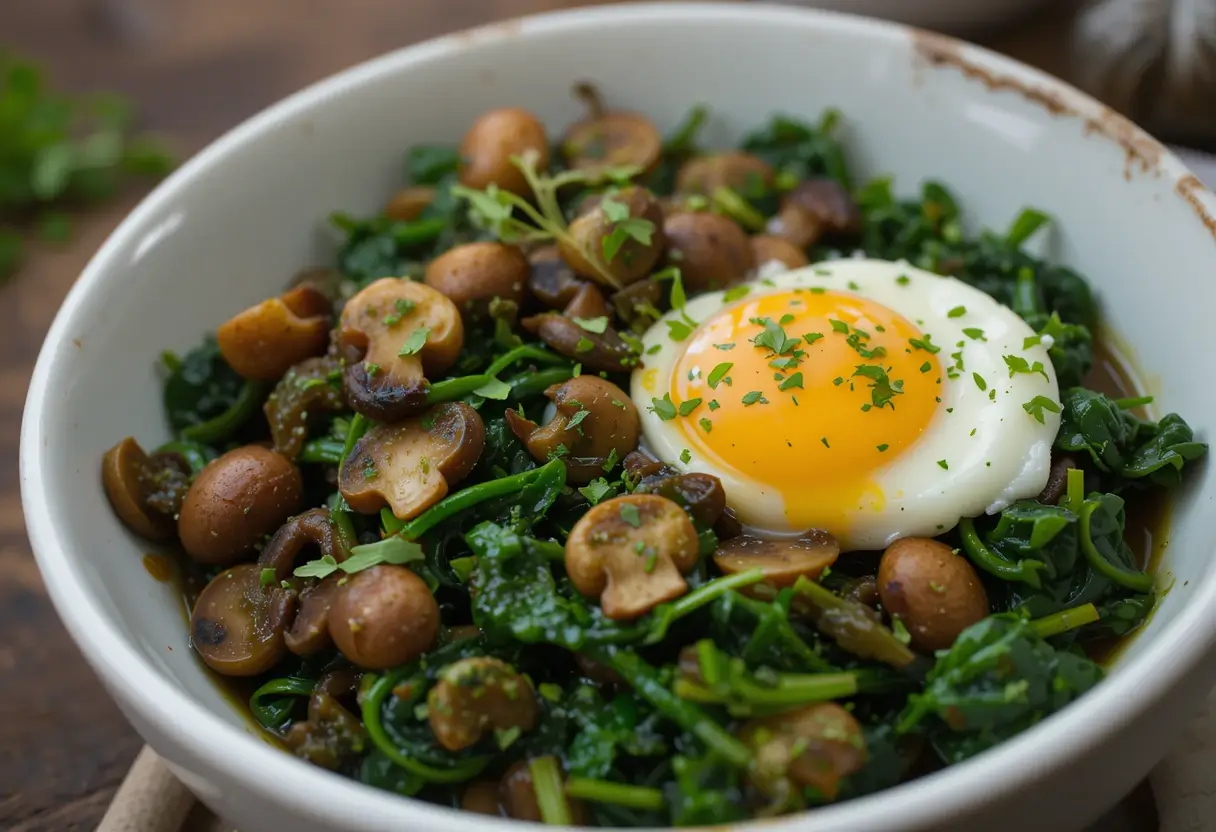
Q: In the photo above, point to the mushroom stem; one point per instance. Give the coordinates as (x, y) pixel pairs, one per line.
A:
(462, 500)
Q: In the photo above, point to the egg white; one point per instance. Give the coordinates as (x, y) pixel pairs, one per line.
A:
(994, 451)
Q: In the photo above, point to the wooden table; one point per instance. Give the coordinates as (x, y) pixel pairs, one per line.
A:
(194, 69)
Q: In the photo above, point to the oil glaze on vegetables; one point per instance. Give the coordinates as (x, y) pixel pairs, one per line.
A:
(597, 481)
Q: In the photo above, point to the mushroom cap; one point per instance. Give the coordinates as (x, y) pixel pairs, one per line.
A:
(932, 590)
(613, 139)
(264, 341)
(632, 552)
(383, 616)
(783, 560)
(235, 501)
(410, 465)
(237, 622)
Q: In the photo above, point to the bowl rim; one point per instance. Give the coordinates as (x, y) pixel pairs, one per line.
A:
(275, 776)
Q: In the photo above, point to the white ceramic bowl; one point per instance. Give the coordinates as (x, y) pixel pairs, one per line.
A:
(237, 220)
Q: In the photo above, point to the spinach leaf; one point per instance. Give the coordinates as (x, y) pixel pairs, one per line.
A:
(516, 596)
(705, 793)
(996, 680)
(379, 771)
(625, 725)
(1102, 521)
(429, 164)
(201, 389)
(799, 149)
(1119, 444)
(1162, 457)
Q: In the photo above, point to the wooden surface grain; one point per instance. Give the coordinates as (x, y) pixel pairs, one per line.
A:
(194, 69)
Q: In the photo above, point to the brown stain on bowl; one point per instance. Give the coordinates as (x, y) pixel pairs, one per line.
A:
(1141, 150)
(1189, 188)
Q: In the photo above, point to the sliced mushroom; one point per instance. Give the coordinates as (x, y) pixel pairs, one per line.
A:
(813, 747)
(265, 340)
(588, 302)
(815, 208)
(410, 465)
(481, 797)
(711, 251)
(486, 150)
(309, 630)
(237, 500)
(408, 203)
(311, 387)
(643, 467)
(329, 737)
(594, 419)
(237, 622)
(474, 274)
(144, 491)
(932, 590)
(517, 795)
(621, 235)
(551, 281)
(783, 560)
(766, 249)
(631, 552)
(612, 139)
(1057, 480)
(638, 304)
(394, 335)
(742, 172)
(594, 350)
(479, 694)
(383, 616)
(701, 495)
(313, 528)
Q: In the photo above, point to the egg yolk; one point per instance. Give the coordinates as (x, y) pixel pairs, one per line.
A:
(807, 392)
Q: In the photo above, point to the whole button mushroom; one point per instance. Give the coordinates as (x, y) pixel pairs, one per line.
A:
(594, 419)
(932, 590)
(710, 250)
(264, 341)
(488, 146)
(782, 560)
(741, 172)
(815, 208)
(768, 249)
(410, 465)
(815, 747)
(476, 695)
(632, 552)
(701, 495)
(394, 335)
(473, 274)
(383, 616)
(237, 500)
(237, 623)
(408, 203)
(617, 239)
(595, 350)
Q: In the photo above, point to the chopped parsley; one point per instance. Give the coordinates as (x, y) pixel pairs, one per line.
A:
(942, 464)
(717, 374)
(596, 325)
(793, 381)
(926, 367)
(1036, 406)
(687, 407)
(629, 513)
(957, 312)
(1017, 364)
(706, 425)
(713, 405)
(415, 342)
(811, 337)
(882, 448)
(664, 408)
(734, 293)
(755, 396)
(839, 326)
(979, 381)
(686, 456)
(882, 388)
(974, 333)
(903, 280)
(925, 344)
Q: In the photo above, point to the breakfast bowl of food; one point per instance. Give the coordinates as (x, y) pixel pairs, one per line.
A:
(647, 416)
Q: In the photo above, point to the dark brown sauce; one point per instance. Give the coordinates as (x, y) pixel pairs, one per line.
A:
(160, 567)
